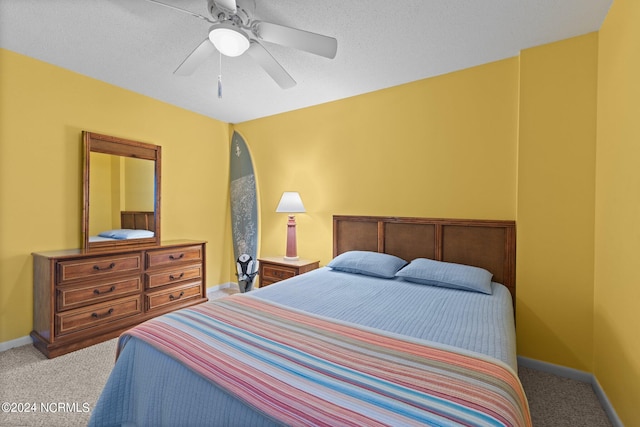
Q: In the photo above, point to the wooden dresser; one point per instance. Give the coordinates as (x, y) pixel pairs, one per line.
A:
(85, 297)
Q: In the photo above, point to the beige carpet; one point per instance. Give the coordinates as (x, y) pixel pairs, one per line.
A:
(561, 402)
(53, 392)
(63, 391)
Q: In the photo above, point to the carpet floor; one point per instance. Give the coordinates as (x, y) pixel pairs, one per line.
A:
(63, 391)
(561, 402)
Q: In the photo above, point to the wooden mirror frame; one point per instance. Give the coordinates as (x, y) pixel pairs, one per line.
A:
(97, 143)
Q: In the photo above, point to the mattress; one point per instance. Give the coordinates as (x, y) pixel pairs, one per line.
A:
(148, 387)
(470, 320)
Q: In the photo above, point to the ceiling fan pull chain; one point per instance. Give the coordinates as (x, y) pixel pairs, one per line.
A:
(220, 78)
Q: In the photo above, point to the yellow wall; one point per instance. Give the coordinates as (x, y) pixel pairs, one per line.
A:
(105, 192)
(556, 196)
(617, 248)
(43, 110)
(137, 186)
(442, 147)
(479, 143)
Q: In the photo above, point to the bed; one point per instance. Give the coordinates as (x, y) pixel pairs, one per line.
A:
(133, 225)
(411, 323)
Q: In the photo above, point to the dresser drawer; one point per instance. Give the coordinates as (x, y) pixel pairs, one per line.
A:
(161, 278)
(165, 257)
(98, 267)
(277, 272)
(76, 296)
(97, 314)
(176, 295)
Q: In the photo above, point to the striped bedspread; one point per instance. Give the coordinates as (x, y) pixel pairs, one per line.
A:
(303, 369)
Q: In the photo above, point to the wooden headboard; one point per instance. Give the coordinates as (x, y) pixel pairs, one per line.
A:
(482, 243)
(138, 220)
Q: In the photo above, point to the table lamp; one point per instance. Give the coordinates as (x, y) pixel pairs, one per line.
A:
(291, 203)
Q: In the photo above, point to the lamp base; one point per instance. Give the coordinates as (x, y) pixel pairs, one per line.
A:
(291, 254)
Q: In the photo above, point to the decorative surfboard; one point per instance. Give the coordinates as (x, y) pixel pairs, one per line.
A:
(244, 212)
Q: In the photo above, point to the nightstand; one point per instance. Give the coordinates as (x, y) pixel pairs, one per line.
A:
(275, 269)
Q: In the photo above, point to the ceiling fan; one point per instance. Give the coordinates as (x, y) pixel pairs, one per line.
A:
(234, 31)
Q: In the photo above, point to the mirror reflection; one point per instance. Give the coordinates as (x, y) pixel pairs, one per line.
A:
(118, 184)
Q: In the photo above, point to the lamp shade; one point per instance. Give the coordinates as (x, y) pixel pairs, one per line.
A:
(228, 39)
(290, 202)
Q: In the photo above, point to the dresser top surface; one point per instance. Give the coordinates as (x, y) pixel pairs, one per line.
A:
(68, 253)
(289, 263)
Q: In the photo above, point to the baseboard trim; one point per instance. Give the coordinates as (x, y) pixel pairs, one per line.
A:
(18, 342)
(575, 374)
(561, 371)
(606, 404)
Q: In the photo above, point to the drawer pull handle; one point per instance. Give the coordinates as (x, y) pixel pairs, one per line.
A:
(98, 316)
(172, 277)
(175, 258)
(171, 297)
(97, 267)
(111, 289)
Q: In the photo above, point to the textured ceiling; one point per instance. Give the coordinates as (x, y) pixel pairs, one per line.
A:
(137, 45)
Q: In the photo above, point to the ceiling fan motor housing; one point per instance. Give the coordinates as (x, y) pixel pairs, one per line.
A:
(241, 15)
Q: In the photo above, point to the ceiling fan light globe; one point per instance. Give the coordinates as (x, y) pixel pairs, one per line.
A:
(229, 40)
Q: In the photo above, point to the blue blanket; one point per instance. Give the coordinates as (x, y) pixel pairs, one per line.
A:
(149, 388)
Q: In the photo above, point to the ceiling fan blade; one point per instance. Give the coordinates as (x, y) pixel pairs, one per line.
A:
(228, 6)
(270, 65)
(304, 40)
(195, 58)
(204, 18)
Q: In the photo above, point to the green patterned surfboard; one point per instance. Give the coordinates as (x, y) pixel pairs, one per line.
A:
(244, 200)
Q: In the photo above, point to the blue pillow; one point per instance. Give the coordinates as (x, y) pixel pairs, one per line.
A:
(448, 275)
(368, 263)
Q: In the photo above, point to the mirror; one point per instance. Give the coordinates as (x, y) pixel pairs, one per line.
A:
(121, 192)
